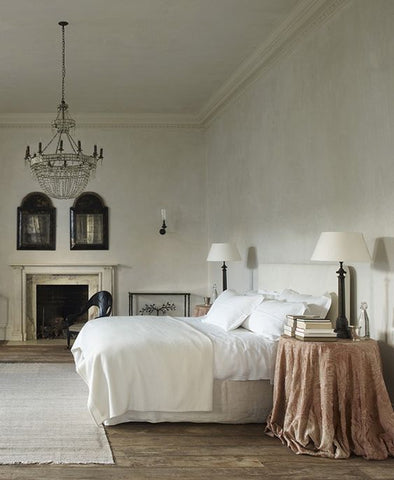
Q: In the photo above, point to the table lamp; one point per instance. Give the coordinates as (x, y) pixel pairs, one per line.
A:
(223, 252)
(341, 247)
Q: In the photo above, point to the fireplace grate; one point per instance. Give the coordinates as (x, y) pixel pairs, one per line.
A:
(54, 303)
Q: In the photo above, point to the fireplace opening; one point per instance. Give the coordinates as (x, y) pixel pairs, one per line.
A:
(54, 303)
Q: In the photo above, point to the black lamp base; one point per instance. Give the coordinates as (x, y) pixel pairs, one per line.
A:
(224, 276)
(341, 327)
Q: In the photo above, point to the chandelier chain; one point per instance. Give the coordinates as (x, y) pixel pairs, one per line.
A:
(63, 62)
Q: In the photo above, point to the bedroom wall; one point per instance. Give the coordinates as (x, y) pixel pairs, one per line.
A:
(309, 148)
(144, 170)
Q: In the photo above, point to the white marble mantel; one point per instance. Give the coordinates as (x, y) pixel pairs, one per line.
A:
(22, 318)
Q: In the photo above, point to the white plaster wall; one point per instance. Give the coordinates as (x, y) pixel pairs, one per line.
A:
(145, 169)
(309, 147)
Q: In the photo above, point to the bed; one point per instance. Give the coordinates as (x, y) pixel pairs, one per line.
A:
(217, 368)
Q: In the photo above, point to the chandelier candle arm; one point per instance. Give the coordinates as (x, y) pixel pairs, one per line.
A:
(61, 174)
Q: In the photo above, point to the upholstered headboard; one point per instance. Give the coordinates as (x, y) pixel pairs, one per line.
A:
(314, 279)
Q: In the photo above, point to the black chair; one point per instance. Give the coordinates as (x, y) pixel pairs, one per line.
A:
(102, 300)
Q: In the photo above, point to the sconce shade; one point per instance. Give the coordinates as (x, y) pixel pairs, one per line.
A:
(341, 247)
(223, 252)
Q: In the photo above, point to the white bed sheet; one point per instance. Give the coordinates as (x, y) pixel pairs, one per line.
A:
(239, 354)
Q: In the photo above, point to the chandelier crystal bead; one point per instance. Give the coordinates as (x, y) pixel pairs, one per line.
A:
(63, 174)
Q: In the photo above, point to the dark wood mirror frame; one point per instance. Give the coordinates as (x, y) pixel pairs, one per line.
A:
(36, 223)
(89, 223)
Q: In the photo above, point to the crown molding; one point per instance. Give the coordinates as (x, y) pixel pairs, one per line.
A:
(307, 15)
(109, 120)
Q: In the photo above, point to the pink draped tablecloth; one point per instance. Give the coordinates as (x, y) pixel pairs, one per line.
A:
(330, 400)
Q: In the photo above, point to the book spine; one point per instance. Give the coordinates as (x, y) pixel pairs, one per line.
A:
(315, 331)
(315, 334)
(314, 325)
(289, 331)
(291, 322)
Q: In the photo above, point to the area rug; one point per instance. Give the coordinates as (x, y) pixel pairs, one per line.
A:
(44, 417)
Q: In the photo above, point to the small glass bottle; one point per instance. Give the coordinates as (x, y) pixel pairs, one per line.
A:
(214, 295)
(363, 320)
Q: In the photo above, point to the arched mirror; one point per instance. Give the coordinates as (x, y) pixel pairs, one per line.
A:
(89, 223)
(36, 223)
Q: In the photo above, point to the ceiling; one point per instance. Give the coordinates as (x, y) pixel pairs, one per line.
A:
(128, 56)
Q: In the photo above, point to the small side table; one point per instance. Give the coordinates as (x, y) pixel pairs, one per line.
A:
(200, 310)
(330, 399)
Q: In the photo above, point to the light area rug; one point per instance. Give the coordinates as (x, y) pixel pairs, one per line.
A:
(44, 416)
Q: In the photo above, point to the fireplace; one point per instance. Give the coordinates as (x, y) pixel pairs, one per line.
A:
(54, 303)
(26, 307)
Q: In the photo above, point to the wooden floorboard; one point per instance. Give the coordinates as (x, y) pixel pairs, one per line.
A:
(188, 451)
(36, 353)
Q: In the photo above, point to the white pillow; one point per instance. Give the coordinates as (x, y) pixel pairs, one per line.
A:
(224, 296)
(316, 305)
(229, 310)
(267, 294)
(269, 317)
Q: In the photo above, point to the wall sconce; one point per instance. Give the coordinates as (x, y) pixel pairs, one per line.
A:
(162, 231)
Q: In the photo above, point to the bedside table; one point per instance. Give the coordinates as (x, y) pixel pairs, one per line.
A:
(330, 399)
(200, 310)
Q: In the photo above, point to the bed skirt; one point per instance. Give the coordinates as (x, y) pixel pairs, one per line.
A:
(233, 402)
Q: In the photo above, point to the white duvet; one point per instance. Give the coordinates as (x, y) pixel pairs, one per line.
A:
(238, 354)
(164, 364)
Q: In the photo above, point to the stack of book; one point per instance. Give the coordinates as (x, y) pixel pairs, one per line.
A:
(309, 328)
(291, 323)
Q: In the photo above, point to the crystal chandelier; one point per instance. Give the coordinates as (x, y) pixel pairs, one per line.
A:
(63, 174)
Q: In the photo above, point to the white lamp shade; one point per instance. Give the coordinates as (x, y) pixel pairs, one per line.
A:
(223, 252)
(341, 247)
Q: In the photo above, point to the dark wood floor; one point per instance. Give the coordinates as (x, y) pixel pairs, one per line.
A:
(189, 451)
(39, 353)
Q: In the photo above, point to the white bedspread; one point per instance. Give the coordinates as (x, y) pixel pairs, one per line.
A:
(144, 364)
(239, 354)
